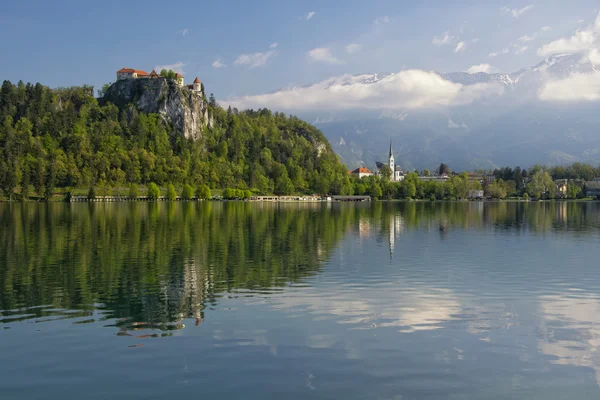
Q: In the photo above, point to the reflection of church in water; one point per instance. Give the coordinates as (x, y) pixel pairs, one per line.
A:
(395, 230)
(391, 226)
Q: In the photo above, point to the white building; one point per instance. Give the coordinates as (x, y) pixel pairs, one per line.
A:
(397, 173)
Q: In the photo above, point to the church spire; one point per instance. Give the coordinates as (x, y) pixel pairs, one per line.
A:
(390, 148)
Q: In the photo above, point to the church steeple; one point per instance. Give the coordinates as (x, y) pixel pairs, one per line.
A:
(391, 155)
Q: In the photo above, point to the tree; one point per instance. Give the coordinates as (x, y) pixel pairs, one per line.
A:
(134, 193)
(153, 191)
(91, 193)
(443, 169)
(408, 189)
(573, 190)
(187, 193)
(171, 193)
(50, 181)
(541, 185)
(25, 182)
(102, 91)
(164, 73)
(10, 177)
(426, 172)
(212, 102)
(386, 173)
(203, 192)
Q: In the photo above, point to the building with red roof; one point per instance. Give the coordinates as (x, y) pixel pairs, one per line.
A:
(361, 172)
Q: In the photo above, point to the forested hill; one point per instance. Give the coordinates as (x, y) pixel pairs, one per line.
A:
(64, 138)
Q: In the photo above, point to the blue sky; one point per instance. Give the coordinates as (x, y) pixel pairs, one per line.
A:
(276, 43)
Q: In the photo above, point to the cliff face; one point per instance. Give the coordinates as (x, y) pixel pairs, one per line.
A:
(181, 107)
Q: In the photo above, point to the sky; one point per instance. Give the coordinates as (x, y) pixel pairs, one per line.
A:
(241, 48)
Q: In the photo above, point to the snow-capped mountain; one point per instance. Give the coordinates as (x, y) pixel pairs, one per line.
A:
(511, 129)
(479, 120)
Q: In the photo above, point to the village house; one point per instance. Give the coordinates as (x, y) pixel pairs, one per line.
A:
(592, 188)
(361, 172)
(561, 186)
(130, 73)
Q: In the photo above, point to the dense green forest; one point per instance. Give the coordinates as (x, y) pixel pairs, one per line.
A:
(64, 138)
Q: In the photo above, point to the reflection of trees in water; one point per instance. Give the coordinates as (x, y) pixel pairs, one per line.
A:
(150, 266)
(153, 265)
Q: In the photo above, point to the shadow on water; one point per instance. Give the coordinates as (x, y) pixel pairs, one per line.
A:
(143, 269)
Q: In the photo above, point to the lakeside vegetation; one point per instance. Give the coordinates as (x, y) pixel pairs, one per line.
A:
(64, 139)
(55, 143)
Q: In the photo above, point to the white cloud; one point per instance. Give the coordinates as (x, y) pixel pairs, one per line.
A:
(382, 20)
(273, 45)
(517, 12)
(487, 68)
(520, 49)
(310, 15)
(594, 56)
(182, 32)
(353, 48)
(527, 38)
(577, 87)
(255, 59)
(218, 63)
(177, 67)
(583, 40)
(460, 46)
(408, 89)
(445, 39)
(323, 54)
(546, 29)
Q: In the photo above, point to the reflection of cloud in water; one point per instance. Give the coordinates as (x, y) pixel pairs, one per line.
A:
(572, 331)
(387, 305)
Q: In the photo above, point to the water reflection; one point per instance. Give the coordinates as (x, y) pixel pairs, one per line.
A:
(382, 299)
(153, 266)
(570, 329)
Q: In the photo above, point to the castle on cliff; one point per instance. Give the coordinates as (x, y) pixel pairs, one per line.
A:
(130, 73)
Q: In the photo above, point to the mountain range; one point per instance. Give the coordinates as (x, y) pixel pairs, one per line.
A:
(516, 128)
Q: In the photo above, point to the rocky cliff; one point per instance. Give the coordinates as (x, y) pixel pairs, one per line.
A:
(185, 110)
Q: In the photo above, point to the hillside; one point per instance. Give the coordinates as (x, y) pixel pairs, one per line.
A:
(66, 138)
(509, 124)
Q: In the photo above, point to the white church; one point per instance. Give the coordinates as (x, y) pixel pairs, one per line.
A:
(397, 173)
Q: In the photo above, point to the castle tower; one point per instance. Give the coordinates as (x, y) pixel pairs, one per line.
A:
(391, 162)
(197, 85)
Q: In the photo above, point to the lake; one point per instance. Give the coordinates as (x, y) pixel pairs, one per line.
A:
(325, 301)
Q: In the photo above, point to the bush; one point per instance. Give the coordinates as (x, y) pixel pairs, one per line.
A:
(187, 193)
(203, 192)
(229, 194)
(92, 193)
(133, 191)
(525, 196)
(153, 191)
(171, 193)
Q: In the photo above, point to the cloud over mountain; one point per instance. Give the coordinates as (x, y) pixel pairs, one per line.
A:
(409, 89)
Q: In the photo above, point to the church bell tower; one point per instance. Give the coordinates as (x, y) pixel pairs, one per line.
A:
(391, 162)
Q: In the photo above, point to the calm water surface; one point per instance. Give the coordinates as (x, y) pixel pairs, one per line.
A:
(324, 301)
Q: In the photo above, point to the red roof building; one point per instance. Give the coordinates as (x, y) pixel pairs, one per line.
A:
(361, 172)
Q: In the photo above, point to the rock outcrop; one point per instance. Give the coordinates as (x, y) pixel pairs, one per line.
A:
(184, 109)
